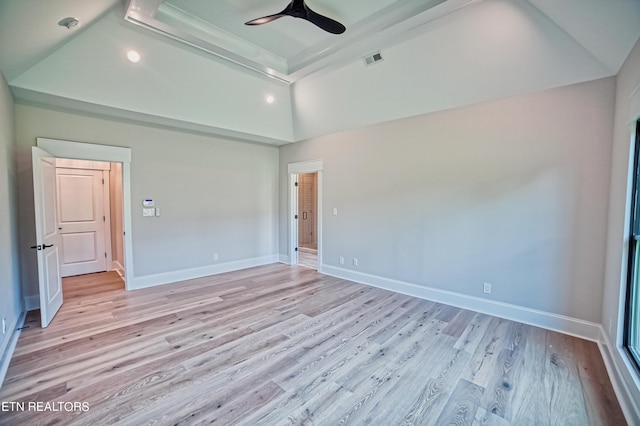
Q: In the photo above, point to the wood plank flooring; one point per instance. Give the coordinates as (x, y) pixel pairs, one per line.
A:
(280, 345)
(308, 257)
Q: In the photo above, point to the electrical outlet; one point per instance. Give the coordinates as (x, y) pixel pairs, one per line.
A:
(487, 288)
(355, 261)
(4, 326)
(215, 256)
(341, 260)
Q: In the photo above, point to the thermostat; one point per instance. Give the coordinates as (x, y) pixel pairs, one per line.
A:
(148, 203)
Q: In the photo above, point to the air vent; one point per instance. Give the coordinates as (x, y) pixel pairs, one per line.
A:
(373, 58)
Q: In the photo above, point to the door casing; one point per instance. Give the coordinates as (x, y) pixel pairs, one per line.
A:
(111, 154)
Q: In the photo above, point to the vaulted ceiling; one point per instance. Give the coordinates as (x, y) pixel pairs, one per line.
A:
(202, 69)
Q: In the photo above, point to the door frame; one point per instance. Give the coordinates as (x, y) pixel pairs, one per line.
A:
(293, 170)
(111, 154)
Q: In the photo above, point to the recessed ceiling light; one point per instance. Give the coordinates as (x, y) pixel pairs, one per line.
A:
(270, 99)
(69, 22)
(133, 56)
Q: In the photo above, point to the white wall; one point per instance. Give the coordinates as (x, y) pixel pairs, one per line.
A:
(215, 195)
(627, 113)
(486, 51)
(10, 292)
(513, 192)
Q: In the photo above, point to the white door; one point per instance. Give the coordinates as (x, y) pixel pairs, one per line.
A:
(81, 221)
(47, 237)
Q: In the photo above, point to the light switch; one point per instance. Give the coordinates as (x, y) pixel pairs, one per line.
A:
(335, 211)
(157, 211)
(148, 212)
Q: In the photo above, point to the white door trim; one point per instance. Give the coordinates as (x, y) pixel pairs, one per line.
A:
(112, 154)
(293, 169)
(293, 211)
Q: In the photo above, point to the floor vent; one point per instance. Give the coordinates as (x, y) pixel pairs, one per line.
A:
(373, 58)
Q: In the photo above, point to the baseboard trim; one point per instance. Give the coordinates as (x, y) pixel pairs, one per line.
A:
(146, 281)
(560, 323)
(7, 353)
(31, 303)
(117, 266)
(283, 258)
(612, 359)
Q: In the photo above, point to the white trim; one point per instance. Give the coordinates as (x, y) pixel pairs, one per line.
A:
(112, 154)
(319, 218)
(7, 353)
(283, 258)
(293, 222)
(563, 324)
(31, 303)
(629, 405)
(189, 274)
(311, 166)
(117, 266)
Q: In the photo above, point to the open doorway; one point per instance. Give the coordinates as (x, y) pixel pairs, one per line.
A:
(305, 218)
(48, 234)
(308, 220)
(89, 219)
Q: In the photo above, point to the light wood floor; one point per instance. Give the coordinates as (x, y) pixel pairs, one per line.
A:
(286, 345)
(308, 257)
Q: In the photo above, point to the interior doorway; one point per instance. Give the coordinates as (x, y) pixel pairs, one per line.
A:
(89, 219)
(308, 220)
(305, 218)
(47, 226)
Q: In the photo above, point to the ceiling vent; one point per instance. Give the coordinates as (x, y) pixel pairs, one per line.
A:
(373, 58)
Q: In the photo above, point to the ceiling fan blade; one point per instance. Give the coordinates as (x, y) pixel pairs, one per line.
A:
(327, 24)
(298, 9)
(265, 19)
(269, 18)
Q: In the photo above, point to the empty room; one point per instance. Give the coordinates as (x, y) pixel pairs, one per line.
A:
(320, 212)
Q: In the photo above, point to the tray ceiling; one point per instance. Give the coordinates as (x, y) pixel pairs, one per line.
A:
(287, 48)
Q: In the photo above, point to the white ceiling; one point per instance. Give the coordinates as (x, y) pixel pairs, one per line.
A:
(286, 48)
(437, 55)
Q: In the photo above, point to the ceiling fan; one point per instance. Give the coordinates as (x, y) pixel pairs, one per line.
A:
(298, 9)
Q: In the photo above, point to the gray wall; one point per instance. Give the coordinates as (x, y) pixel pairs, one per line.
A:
(512, 192)
(10, 291)
(215, 195)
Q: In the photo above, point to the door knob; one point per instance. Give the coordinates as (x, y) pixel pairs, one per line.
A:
(38, 247)
(44, 246)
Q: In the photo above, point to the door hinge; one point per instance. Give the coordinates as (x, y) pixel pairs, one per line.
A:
(105, 255)
(296, 249)
(103, 181)
(295, 217)
(104, 218)
(296, 183)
